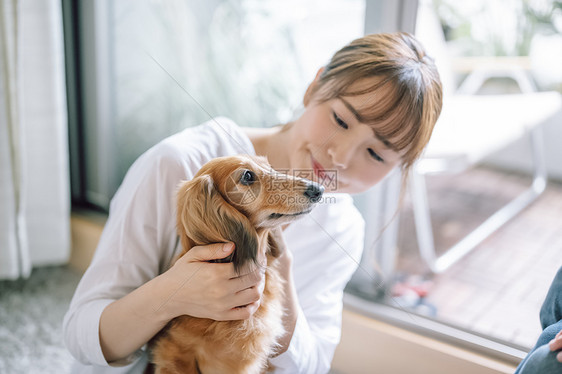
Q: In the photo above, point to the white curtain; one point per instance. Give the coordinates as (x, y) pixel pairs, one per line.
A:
(34, 182)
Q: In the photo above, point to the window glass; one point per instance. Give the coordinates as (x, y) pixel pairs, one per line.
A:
(507, 47)
(176, 63)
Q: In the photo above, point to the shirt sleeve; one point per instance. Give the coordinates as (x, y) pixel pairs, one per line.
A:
(137, 240)
(320, 277)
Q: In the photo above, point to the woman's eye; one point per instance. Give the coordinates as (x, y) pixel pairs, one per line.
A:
(339, 121)
(375, 155)
(248, 177)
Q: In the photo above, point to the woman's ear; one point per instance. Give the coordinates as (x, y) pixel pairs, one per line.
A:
(312, 87)
(204, 217)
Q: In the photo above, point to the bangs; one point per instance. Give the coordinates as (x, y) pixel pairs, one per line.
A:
(392, 108)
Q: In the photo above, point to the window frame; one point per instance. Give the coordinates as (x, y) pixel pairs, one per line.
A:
(87, 31)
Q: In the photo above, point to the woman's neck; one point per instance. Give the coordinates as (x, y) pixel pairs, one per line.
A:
(272, 143)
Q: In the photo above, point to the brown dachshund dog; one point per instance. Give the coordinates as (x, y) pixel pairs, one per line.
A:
(243, 200)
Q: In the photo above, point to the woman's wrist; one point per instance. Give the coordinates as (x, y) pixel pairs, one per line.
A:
(137, 316)
(162, 308)
(286, 264)
(290, 300)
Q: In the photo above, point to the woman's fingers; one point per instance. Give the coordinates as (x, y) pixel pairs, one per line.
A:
(205, 253)
(556, 344)
(250, 267)
(241, 312)
(251, 279)
(247, 296)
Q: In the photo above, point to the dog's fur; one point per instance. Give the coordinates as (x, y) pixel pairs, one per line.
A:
(216, 206)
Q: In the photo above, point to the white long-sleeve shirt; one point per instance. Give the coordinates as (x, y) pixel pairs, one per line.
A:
(139, 242)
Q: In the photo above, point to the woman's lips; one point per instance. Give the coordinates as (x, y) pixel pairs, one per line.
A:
(318, 168)
(327, 178)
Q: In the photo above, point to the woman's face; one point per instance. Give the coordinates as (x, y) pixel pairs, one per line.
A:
(345, 154)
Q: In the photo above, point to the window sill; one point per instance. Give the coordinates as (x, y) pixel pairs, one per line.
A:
(86, 228)
(395, 341)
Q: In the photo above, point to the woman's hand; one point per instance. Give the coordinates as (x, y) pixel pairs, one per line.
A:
(556, 345)
(290, 301)
(285, 256)
(192, 286)
(202, 289)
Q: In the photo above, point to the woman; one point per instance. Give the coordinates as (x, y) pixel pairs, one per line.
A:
(371, 109)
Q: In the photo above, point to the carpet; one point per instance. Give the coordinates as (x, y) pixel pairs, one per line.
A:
(31, 313)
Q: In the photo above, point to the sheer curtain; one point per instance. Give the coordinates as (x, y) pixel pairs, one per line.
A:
(34, 182)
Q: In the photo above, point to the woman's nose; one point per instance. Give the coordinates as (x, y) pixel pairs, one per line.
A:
(341, 155)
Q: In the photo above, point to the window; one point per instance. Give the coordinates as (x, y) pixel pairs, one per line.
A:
(147, 69)
(151, 68)
(495, 291)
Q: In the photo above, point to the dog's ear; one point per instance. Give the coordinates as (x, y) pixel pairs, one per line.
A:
(184, 192)
(205, 217)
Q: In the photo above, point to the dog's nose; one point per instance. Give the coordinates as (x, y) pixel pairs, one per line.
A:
(314, 191)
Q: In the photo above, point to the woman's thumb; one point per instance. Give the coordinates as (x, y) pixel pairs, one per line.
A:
(214, 251)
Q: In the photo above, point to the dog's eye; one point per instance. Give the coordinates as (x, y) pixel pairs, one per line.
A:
(248, 177)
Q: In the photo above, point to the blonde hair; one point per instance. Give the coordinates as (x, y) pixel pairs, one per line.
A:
(408, 114)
